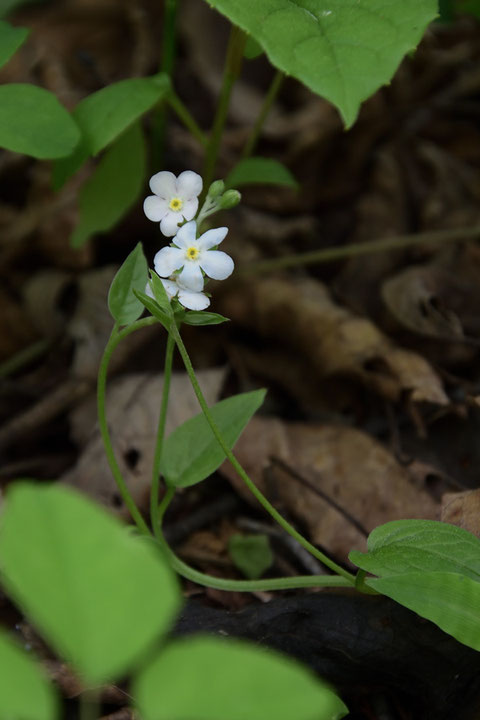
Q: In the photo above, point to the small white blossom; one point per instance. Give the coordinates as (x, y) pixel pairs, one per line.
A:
(192, 255)
(174, 200)
(188, 298)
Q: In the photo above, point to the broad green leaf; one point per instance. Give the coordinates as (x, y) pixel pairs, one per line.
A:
(213, 679)
(33, 122)
(203, 318)
(104, 115)
(252, 554)
(153, 308)
(133, 274)
(450, 600)
(10, 40)
(344, 51)
(25, 693)
(258, 170)
(98, 594)
(113, 188)
(405, 546)
(191, 452)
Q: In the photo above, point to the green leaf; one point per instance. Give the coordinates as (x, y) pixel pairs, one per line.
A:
(212, 679)
(33, 122)
(450, 600)
(344, 51)
(252, 554)
(113, 188)
(24, 690)
(99, 594)
(160, 293)
(10, 40)
(153, 309)
(133, 274)
(104, 115)
(405, 546)
(192, 453)
(258, 170)
(203, 318)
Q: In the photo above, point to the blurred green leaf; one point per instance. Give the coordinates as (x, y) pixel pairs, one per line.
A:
(25, 692)
(191, 452)
(258, 170)
(98, 594)
(33, 122)
(252, 48)
(210, 678)
(252, 554)
(104, 115)
(124, 306)
(11, 38)
(114, 187)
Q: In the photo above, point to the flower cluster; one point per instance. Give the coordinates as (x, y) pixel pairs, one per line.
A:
(183, 265)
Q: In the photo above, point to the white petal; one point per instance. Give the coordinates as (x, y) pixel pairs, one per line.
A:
(155, 208)
(169, 223)
(212, 237)
(216, 264)
(189, 184)
(189, 208)
(193, 300)
(163, 184)
(191, 276)
(171, 288)
(167, 260)
(186, 235)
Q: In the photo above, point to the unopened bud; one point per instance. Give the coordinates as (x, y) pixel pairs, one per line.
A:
(216, 188)
(229, 199)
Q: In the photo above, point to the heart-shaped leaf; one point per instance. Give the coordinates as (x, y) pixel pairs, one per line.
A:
(344, 51)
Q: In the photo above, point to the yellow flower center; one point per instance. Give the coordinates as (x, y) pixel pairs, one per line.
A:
(175, 204)
(192, 253)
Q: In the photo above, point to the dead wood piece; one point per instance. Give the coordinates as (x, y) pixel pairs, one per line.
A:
(358, 641)
(337, 342)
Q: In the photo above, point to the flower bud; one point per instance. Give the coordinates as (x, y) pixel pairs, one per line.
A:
(229, 199)
(216, 188)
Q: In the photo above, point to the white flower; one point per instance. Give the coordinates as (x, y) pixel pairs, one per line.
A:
(175, 199)
(193, 255)
(188, 298)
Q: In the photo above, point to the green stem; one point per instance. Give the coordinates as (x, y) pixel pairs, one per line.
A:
(363, 248)
(265, 109)
(287, 583)
(167, 375)
(23, 357)
(186, 117)
(241, 472)
(233, 66)
(166, 66)
(115, 338)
